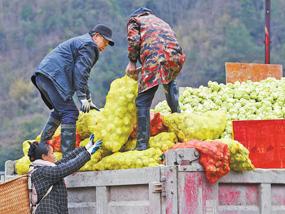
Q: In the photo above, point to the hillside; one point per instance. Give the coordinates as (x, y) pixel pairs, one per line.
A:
(210, 32)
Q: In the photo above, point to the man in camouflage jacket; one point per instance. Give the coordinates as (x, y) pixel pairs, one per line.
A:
(152, 42)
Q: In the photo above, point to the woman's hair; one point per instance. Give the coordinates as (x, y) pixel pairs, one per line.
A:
(37, 150)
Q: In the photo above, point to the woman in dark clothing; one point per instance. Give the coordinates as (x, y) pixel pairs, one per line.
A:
(49, 193)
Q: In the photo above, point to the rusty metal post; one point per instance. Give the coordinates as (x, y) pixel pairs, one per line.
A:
(267, 31)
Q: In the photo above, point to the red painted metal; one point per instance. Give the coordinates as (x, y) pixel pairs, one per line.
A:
(267, 31)
(265, 140)
(195, 193)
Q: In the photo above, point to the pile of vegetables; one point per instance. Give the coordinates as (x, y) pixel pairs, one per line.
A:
(206, 117)
(188, 126)
(214, 157)
(239, 160)
(241, 101)
(118, 118)
(131, 159)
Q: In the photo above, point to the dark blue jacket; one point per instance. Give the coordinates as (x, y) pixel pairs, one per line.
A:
(68, 66)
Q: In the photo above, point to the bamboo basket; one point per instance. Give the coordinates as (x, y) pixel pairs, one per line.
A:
(14, 196)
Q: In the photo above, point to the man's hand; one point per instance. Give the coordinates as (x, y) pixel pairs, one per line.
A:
(131, 70)
(93, 106)
(85, 105)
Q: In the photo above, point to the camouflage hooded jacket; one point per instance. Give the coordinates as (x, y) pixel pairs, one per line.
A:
(152, 42)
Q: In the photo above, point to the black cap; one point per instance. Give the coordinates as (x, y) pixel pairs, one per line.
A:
(104, 31)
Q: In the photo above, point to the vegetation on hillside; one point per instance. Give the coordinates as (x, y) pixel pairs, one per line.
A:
(210, 32)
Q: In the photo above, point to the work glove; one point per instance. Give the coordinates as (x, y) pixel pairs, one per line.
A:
(92, 147)
(85, 105)
(93, 106)
(91, 142)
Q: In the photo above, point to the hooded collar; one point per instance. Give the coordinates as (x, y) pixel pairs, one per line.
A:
(40, 162)
(140, 11)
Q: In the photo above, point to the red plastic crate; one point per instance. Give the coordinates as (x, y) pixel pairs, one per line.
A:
(265, 140)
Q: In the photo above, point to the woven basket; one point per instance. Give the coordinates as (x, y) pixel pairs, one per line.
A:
(14, 196)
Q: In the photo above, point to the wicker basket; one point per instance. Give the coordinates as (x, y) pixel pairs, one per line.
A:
(14, 196)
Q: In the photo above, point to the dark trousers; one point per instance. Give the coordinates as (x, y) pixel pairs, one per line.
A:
(64, 111)
(144, 99)
(143, 104)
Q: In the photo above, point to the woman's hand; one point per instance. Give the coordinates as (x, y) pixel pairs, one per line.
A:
(97, 145)
(92, 147)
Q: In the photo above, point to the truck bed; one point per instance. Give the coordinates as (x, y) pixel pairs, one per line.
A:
(175, 188)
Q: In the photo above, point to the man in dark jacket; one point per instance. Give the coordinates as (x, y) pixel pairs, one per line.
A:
(152, 42)
(64, 71)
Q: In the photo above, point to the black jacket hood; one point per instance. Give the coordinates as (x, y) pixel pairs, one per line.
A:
(140, 11)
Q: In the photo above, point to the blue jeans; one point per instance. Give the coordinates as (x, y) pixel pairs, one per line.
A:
(64, 111)
(144, 99)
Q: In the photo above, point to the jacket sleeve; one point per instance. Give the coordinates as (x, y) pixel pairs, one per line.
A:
(133, 40)
(88, 95)
(55, 173)
(70, 155)
(87, 57)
